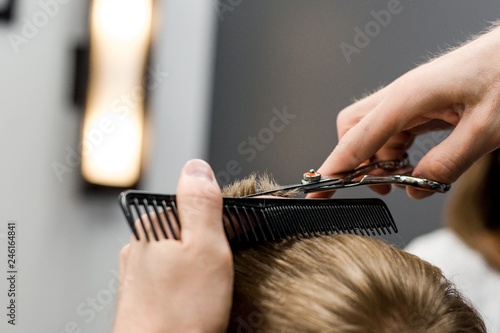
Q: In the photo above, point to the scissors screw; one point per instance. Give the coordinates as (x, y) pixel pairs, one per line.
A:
(311, 176)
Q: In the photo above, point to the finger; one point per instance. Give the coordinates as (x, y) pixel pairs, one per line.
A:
(320, 195)
(403, 110)
(378, 132)
(199, 201)
(358, 144)
(122, 260)
(393, 149)
(353, 113)
(122, 268)
(346, 119)
(169, 224)
(447, 161)
(141, 226)
(148, 228)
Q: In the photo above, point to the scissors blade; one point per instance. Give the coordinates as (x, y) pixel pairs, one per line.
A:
(331, 183)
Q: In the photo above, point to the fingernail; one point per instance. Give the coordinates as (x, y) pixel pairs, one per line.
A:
(199, 168)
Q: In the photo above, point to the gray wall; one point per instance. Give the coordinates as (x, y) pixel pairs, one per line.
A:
(286, 54)
(68, 239)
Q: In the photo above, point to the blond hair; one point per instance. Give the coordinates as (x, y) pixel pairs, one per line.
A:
(343, 283)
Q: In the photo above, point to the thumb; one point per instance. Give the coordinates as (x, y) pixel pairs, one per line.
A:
(199, 201)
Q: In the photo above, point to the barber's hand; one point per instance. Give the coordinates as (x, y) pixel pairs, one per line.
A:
(459, 90)
(180, 286)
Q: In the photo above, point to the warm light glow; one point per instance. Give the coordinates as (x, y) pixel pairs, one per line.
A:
(124, 18)
(112, 132)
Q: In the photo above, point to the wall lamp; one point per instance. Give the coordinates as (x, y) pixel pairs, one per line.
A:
(115, 101)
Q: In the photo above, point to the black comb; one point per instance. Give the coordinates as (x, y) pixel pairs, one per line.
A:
(249, 221)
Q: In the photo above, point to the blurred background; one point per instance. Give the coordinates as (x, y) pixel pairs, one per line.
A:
(249, 85)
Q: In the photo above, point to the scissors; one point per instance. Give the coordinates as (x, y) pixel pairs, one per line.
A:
(313, 181)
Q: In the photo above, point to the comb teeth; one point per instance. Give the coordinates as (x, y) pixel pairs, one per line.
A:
(254, 220)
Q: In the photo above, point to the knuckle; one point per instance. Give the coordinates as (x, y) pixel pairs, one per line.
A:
(343, 117)
(222, 254)
(124, 253)
(348, 118)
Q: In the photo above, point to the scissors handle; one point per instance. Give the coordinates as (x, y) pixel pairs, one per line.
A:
(389, 165)
(404, 180)
(315, 182)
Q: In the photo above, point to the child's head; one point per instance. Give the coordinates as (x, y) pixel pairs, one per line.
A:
(342, 283)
